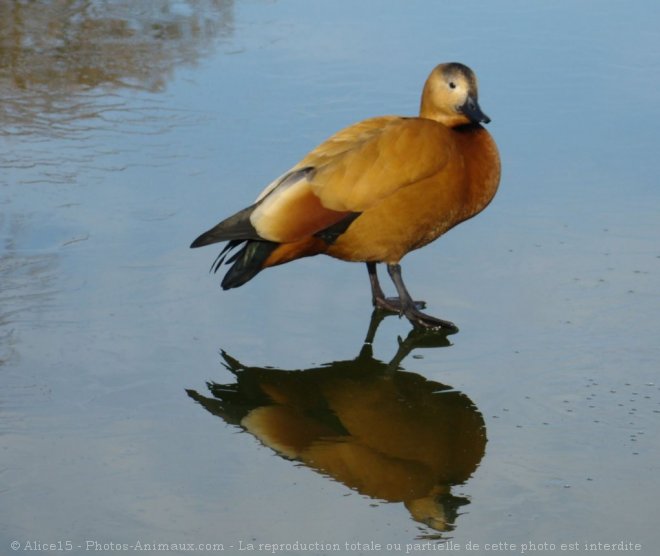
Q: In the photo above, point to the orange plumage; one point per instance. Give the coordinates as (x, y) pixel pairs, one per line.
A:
(373, 192)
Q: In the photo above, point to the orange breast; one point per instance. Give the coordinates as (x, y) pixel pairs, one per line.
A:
(419, 213)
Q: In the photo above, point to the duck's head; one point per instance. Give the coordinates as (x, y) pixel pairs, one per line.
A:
(450, 96)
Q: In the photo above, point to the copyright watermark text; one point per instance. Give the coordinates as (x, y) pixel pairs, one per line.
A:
(350, 547)
(97, 546)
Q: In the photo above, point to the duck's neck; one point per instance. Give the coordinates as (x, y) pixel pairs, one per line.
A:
(452, 120)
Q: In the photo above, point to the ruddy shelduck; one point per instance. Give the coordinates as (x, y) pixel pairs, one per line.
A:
(373, 192)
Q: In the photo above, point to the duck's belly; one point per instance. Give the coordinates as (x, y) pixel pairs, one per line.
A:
(409, 219)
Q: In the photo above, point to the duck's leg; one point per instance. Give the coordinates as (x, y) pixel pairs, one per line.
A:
(378, 298)
(408, 306)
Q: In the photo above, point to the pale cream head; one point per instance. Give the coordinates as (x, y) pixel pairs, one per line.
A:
(450, 96)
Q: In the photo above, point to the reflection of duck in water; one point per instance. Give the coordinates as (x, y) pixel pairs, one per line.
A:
(388, 434)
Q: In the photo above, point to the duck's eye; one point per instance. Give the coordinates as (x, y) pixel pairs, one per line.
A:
(452, 85)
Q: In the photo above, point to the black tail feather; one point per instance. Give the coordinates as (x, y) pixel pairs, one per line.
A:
(247, 262)
(220, 259)
(236, 227)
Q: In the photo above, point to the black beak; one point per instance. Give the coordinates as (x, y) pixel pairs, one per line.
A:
(472, 110)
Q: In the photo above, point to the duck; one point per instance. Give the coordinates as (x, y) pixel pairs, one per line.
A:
(373, 192)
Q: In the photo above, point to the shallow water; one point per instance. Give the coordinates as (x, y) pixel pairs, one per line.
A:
(128, 128)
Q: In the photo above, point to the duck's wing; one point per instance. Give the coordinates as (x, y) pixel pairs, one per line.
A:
(345, 175)
(348, 173)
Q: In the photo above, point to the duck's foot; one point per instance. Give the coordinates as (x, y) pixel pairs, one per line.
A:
(409, 308)
(428, 322)
(391, 304)
(404, 304)
(413, 314)
(394, 305)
